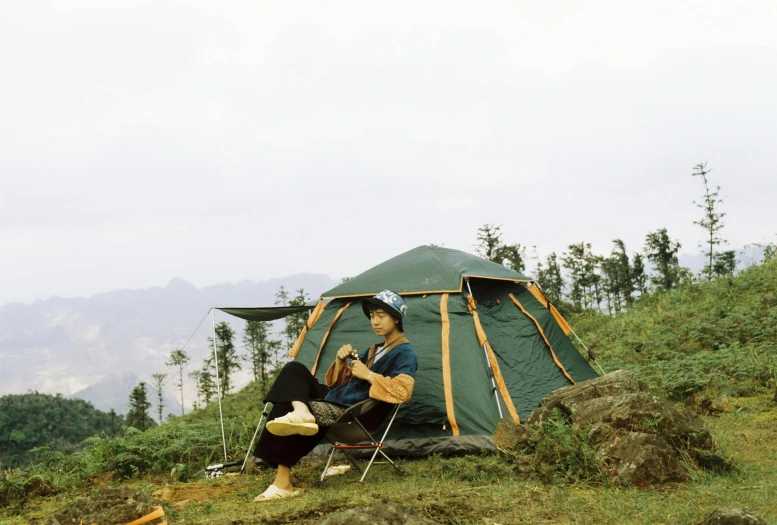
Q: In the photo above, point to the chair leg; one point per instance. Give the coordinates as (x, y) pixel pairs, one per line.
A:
(392, 463)
(364, 475)
(374, 455)
(378, 446)
(352, 461)
(328, 462)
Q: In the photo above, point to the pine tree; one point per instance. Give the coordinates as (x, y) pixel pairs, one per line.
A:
(158, 384)
(114, 422)
(725, 263)
(611, 283)
(661, 251)
(489, 241)
(512, 256)
(593, 278)
(296, 322)
(180, 359)
(491, 247)
(581, 265)
(624, 268)
(550, 278)
(137, 416)
(226, 353)
(256, 340)
(712, 219)
(639, 275)
(618, 280)
(282, 299)
(206, 383)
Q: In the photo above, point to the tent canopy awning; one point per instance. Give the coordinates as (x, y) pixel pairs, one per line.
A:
(426, 269)
(267, 313)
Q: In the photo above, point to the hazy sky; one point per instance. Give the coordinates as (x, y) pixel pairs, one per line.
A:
(222, 141)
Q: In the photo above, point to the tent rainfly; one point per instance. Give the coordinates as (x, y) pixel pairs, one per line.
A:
(489, 345)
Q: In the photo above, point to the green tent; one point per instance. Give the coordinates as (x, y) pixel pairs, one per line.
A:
(488, 343)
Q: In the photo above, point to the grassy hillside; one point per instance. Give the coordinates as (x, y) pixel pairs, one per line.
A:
(718, 336)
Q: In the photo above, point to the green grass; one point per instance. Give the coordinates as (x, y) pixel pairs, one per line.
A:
(716, 335)
(482, 489)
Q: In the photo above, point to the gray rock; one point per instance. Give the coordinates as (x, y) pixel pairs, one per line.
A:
(642, 412)
(641, 459)
(729, 516)
(613, 384)
(383, 514)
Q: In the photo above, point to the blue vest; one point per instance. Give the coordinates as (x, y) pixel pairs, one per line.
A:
(399, 360)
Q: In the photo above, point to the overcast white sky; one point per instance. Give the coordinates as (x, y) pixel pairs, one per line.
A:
(222, 141)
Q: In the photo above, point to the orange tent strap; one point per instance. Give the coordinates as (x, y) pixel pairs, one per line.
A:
(446, 363)
(500, 381)
(308, 325)
(472, 304)
(537, 293)
(542, 333)
(326, 336)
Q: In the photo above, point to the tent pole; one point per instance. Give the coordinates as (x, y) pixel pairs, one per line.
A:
(591, 355)
(488, 362)
(218, 383)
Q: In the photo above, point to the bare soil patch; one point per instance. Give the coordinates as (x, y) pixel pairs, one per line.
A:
(104, 506)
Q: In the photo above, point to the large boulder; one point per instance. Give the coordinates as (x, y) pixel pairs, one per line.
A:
(641, 459)
(614, 402)
(565, 399)
(638, 437)
(729, 516)
(643, 412)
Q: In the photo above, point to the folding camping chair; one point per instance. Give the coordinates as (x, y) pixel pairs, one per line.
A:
(354, 428)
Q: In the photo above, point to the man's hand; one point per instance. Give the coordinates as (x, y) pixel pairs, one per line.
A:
(345, 352)
(359, 370)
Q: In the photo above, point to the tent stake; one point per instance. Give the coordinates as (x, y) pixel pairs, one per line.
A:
(218, 383)
(488, 362)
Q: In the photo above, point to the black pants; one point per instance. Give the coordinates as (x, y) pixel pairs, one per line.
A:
(294, 383)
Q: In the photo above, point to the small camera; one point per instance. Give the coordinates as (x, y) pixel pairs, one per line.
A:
(355, 356)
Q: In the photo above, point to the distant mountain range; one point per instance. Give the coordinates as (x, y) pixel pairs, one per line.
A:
(65, 345)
